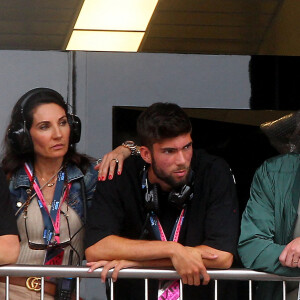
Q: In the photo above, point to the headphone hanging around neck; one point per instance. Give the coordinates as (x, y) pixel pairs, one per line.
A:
(175, 198)
(19, 136)
(180, 198)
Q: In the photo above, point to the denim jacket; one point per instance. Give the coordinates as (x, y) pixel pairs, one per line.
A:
(19, 186)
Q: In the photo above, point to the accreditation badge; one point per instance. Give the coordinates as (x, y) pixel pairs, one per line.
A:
(169, 290)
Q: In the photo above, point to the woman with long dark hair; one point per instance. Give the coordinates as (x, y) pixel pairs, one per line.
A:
(51, 185)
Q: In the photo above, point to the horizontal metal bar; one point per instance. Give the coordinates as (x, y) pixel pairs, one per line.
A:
(69, 271)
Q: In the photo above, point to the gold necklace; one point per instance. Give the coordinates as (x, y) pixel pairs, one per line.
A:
(26, 203)
(51, 184)
(48, 184)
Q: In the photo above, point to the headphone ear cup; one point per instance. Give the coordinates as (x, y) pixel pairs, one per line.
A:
(20, 139)
(75, 126)
(179, 199)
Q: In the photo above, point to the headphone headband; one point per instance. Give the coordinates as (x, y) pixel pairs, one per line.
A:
(18, 134)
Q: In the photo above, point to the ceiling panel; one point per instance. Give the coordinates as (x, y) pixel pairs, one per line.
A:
(177, 26)
(41, 42)
(33, 28)
(212, 32)
(209, 19)
(37, 24)
(199, 46)
(228, 6)
(227, 26)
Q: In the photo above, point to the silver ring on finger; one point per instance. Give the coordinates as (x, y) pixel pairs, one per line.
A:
(116, 160)
(99, 160)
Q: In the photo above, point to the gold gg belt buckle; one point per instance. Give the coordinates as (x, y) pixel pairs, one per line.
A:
(33, 283)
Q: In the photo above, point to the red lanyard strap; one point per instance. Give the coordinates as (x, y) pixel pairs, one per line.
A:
(158, 230)
(54, 215)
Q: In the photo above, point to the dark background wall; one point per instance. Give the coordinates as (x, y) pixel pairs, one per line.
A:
(275, 82)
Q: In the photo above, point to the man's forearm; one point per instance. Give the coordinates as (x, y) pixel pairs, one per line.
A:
(224, 259)
(190, 262)
(115, 247)
(151, 253)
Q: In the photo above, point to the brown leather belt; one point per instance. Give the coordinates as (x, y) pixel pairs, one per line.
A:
(32, 284)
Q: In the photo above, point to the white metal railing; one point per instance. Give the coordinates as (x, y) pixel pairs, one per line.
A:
(82, 272)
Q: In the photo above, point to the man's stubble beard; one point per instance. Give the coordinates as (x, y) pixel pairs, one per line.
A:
(168, 179)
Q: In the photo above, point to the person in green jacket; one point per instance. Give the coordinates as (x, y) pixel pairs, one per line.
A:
(270, 227)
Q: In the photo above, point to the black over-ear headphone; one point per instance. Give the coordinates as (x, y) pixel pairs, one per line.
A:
(176, 198)
(18, 134)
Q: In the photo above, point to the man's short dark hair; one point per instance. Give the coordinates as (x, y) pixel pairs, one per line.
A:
(160, 121)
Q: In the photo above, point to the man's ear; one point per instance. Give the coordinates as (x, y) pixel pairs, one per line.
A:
(146, 154)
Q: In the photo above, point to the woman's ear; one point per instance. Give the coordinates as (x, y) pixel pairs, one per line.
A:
(146, 154)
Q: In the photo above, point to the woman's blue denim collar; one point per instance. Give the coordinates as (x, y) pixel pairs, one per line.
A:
(20, 178)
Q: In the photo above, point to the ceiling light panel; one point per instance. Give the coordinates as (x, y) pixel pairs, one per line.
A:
(129, 15)
(105, 41)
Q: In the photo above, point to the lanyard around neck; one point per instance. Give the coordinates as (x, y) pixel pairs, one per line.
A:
(158, 230)
(52, 218)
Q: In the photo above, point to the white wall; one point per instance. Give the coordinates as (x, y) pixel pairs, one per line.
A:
(139, 79)
(106, 79)
(21, 71)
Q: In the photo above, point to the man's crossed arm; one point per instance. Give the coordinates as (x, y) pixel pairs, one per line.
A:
(190, 262)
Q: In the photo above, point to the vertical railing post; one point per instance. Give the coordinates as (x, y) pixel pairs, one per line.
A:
(181, 289)
(42, 287)
(111, 289)
(250, 289)
(283, 290)
(146, 288)
(77, 288)
(216, 289)
(7, 288)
